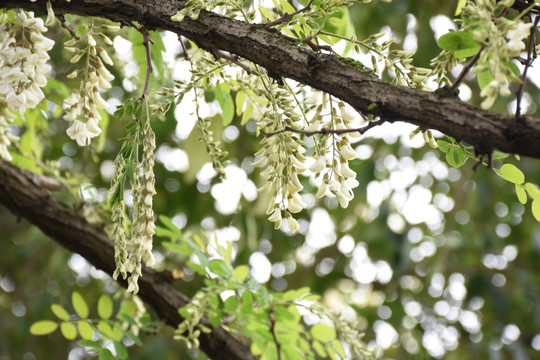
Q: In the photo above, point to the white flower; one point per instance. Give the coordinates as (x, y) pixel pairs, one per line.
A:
(319, 164)
(516, 35)
(346, 115)
(16, 102)
(315, 126)
(346, 170)
(293, 224)
(41, 42)
(347, 152)
(80, 133)
(295, 204)
(313, 99)
(343, 200)
(276, 215)
(322, 190)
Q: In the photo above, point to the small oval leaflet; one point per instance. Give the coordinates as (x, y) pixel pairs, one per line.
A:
(511, 173)
(43, 327)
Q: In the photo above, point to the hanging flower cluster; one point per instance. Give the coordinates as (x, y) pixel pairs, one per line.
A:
(130, 250)
(83, 104)
(23, 69)
(502, 40)
(283, 156)
(332, 159)
(143, 216)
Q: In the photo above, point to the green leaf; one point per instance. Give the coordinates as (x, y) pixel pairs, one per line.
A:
(170, 225)
(120, 349)
(105, 306)
(286, 6)
(484, 78)
(247, 114)
(105, 354)
(264, 11)
(231, 304)
(319, 349)
(240, 100)
(43, 327)
(85, 329)
(184, 311)
(137, 340)
(196, 267)
(105, 329)
(247, 302)
(241, 272)
(79, 305)
(323, 332)
(68, 330)
(456, 157)
(461, 43)
(219, 267)
(262, 292)
(331, 353)
(60, 312)
(338, 346)
(511, 173)
(93, 345)
(127, 309)
(226, 102)
(443, 145)
(181, 249)
(460, 5)
(521, 194)
(287, 314)
(535, 207)
(532, 190)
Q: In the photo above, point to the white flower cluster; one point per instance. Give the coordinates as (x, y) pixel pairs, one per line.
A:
(129, 251)
(332, 161)
(23, 70)
(143, 216)
(501, 39)
(83, 104)
(283, 156)
(515, 36)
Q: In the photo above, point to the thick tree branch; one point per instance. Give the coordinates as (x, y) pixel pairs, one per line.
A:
(24, 194)
(485, 130)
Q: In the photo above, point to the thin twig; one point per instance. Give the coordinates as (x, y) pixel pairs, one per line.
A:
(287, 17)
(326, 131)
(308, 41)
(233, 59)
(531, 56)
(149, 69)
(186, 55)
(67, 27)
(273, 331)
(465, 71)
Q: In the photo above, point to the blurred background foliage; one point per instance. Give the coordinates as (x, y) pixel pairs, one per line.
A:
(459, 281)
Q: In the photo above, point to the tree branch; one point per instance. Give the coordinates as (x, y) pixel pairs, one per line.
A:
(485, 130)
(24, 194)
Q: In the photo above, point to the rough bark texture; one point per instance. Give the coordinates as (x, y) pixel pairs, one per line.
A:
(25, 194)
(485, 130)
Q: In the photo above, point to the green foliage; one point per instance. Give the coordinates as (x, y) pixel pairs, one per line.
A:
(461, 43)
(428, 259)
(126, 322)
(271, 319)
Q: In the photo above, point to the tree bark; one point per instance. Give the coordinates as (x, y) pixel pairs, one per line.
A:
(26, 195)
(485, 130)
